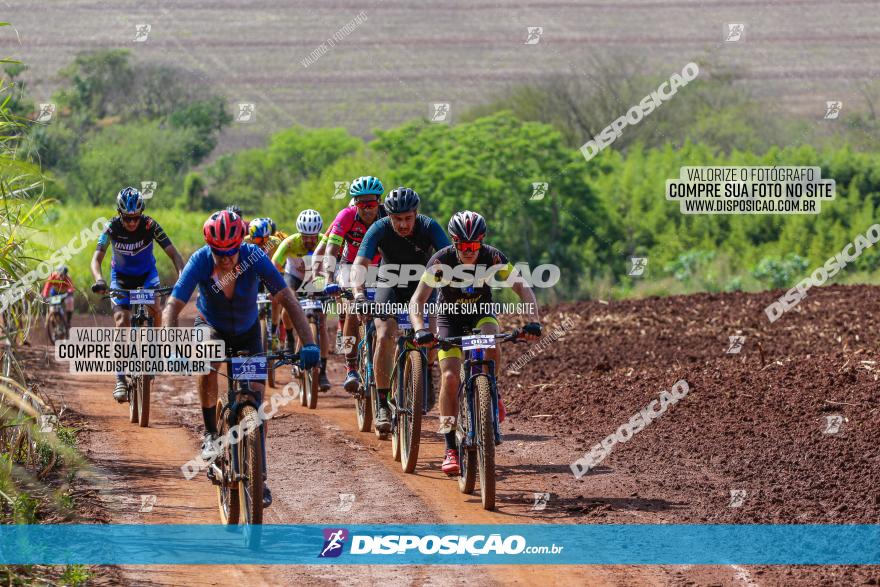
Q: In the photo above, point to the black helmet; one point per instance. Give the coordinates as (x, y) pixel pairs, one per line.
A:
(467, 226)
(401, 200)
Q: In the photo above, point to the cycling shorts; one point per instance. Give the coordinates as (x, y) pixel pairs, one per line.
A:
(449, 325)
(250, 341)
(123, 281)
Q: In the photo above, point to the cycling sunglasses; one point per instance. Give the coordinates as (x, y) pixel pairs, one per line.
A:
(220, 253)
(465, 247)
(127, 219)
(367, 203)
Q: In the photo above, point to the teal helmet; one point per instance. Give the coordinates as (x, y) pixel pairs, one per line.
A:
(365, 186)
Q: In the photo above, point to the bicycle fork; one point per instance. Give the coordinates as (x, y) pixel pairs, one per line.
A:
(473, 367)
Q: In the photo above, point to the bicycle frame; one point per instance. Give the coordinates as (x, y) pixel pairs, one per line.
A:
(474, 362)
(404, 345)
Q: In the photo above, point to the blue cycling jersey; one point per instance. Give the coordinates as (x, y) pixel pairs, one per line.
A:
(236, 315)
(133, 249)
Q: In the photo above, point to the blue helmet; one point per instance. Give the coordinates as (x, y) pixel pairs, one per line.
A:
(260, 228)
(365, 186)
(129, 201)
(401, 200)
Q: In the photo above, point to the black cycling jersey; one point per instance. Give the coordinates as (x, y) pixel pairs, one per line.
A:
(475, 293)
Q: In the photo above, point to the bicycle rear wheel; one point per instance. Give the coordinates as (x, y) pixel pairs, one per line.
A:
(250, 458)
(132, 383)
(143, 400)
(227, 489)
(467, 456)
(485, 436)
(53, 327)
(364, 402)
(409, 420)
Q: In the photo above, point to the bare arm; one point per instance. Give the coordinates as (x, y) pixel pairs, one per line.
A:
(97, 260)
(526, 294)
(173, 308)
(359, 275)
(417, 305)
(331, 250)
(288, 300)
(175, 257)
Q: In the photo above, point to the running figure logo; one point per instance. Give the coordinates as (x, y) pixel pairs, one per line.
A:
(639, 264)
(334, 539)
(833, 423)
(147, 189)
(535, 33)
(340, 190)
(246, 112)
(832, 109)
(142, 32)
(440, 112)
(46, 112)
(736, 344)
(735, 32)
(539, 190)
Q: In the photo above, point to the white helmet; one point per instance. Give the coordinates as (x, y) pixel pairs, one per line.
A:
(309, 222)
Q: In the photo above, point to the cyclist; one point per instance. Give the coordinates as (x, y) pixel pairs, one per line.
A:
(467, 230)
(236, 209)
(59, 282)
(293, 252)
(227, 271)
(133, 265)
(404, 238)
(345, 237)
(262, 233)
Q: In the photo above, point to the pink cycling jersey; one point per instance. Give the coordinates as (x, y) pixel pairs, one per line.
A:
(347, 231)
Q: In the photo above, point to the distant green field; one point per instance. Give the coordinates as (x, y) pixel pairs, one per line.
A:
(63, 223)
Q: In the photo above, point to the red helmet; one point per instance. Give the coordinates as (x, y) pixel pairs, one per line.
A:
(224, 231)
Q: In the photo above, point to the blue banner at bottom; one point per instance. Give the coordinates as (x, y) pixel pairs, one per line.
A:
(545, 544)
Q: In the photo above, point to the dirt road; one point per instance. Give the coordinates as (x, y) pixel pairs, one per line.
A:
(674, 471)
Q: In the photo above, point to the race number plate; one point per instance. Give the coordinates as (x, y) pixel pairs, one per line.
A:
(262, 298)
(57, 299)
(371, 294)
(478, 341)
(310, 304)
(145, 297)
(249, 368)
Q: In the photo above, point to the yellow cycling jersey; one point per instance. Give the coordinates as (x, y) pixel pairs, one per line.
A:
(290, 248)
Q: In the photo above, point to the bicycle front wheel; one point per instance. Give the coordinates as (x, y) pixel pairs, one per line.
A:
(409, 421)
(467, 456)
(485, 436)
(250, 458)
(144, 383)
(132, 383)
(227, 488)
(364, 402)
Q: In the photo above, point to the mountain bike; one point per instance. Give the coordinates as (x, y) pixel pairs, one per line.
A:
(239, 470)
(411, 384)
(477, 428)
(138, 386)
(270, 341)
(313, 308)
(57, 327)
(366, 396)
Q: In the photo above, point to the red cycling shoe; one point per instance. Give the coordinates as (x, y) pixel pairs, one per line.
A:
(450, 463)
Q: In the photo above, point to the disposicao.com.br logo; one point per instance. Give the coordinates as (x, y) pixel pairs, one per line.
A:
(431, 544)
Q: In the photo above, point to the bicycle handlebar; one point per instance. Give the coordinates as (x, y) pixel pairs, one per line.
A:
(454, 341)
(118, 292)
